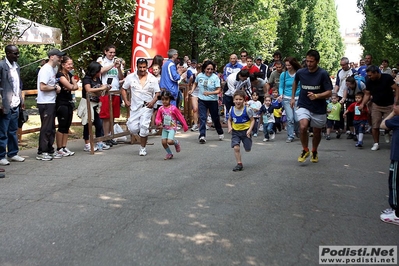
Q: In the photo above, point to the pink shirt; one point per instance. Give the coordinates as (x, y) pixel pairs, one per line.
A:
(169, 116)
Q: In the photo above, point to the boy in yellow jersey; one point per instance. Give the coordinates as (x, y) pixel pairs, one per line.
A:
(240, 124)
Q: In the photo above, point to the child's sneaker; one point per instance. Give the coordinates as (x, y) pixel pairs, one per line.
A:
(168, 156)
(221, 137)
(272, 136)
(328, 137)
(338, 134)
(303, 156)
(177, 146)
(265, 139)
(255, 134)
(389, 217)
(359, 144)
(238, 167)
(202, 140)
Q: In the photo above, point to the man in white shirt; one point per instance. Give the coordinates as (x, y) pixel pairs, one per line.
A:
(10, 101)
(111, 71)
(47, 89)
(144, 94)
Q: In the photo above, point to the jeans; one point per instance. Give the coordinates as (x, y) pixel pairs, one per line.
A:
(256, 125)
(98, 125)
(212, 106)
(268, 129)
(8, 133)
(292, 119)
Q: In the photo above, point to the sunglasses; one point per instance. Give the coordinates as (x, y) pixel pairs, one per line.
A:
(141, 60)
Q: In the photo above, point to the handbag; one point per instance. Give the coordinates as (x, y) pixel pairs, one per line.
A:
(23, 116)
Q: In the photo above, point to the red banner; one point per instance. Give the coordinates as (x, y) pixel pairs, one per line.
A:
(151, 35)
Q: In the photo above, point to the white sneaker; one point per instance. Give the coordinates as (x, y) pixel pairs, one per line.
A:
(272, 136)
(143, 151)
(260, 128)
(207, 127)
(87, 148)
(59, 154)
(389, 217)
(255, 134)
(44, 157)
(221, 137)
(194, 128)
(4, 161)
(202, 140)
(386, 136)
(69, 152)
(209, 119)
(265, 139)
(153, 131)
(375, 147)
(17, 158)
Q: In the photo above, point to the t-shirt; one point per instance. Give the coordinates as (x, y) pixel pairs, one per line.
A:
(381, 90)
(255, 106)
(47, 76)
(259, 85)
(316, 82)
(207, 83)
(112, 73)
(393, 124)
(360, 115)
(93, 84)
(274, 79)
(335, 109)
(341, 80)
(65, 95)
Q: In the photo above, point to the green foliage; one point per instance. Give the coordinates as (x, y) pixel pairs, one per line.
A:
(311, 24)
(379, 36)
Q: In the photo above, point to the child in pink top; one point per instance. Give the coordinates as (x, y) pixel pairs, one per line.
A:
(167, 117)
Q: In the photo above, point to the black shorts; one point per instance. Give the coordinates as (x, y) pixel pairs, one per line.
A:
(238, 136)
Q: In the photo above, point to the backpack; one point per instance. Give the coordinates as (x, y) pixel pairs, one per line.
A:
(359, 79)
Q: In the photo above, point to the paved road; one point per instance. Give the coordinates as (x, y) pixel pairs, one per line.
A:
(116, 208)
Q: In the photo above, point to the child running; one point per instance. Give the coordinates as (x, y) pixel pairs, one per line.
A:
(255, 105)
(360, 118)
(267, 111)
(167, 117)
(240, 124)
(333, 119)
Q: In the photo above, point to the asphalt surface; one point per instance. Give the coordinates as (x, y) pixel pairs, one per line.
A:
(117, 208)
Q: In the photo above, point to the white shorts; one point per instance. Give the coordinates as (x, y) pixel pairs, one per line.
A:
(316, 120)
(139, 121)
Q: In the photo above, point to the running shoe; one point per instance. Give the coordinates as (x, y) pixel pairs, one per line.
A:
(303, 156)
(314, 158)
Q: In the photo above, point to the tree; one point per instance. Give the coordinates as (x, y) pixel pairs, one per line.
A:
(379, 36)
(311, 24)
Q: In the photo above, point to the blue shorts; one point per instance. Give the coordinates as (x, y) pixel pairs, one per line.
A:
(168, 134)
(238, 136)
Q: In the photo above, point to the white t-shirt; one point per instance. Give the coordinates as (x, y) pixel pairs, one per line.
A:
(139, 93)
(47, 76)
(343, 75)
(112, 73)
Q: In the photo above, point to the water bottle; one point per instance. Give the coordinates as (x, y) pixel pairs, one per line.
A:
(73, 97)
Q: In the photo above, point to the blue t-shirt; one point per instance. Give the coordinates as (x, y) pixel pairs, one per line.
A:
(393, 124)
(207, 83)
(316, 82)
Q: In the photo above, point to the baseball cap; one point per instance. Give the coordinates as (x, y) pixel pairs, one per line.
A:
(193, 61)
(55, 52)
(258, 57)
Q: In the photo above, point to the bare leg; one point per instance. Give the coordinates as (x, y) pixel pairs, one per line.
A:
(316, 138)
(237, 154)
(376, 134)
(303, 129)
